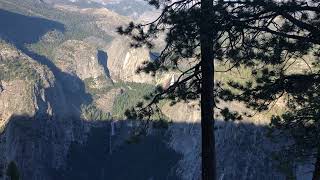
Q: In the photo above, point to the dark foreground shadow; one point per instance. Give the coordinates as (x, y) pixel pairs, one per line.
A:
(150, 158)
(72, 149)
(69, 148)
(36, 146)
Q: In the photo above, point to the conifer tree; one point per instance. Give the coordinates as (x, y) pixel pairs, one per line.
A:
(12, 171)
(261, 35)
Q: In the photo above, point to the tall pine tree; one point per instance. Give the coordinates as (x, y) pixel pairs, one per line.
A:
(12, 171)
(261, 35)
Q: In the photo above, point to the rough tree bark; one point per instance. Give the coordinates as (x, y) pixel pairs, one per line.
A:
(316, 172)
(207, 101)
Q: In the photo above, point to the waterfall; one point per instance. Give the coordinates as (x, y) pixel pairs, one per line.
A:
(112, 133)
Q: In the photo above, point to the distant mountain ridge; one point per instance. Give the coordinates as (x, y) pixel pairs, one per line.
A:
(130, 8)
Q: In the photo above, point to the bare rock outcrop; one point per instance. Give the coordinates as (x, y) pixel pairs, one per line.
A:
(24, 84)
(123, 61)
(82, 60)
(36, 126)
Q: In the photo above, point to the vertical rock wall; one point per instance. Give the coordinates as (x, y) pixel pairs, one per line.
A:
(243, 150)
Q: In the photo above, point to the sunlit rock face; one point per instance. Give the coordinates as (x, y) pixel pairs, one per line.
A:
(27, 87)
(41, 142)
(36, 123)
(41, 130)
(123, 61)
(81, 59)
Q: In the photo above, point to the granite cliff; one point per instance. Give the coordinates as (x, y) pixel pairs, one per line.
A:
(36, 122)
(84, 64)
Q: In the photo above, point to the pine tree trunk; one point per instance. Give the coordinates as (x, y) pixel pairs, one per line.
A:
(316, 172)
(207, 101)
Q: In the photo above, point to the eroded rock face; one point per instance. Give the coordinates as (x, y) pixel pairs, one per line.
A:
(81, 59)
(15, 98)
(32, 104)
(24, 86)
(39, 146)
(123, 61)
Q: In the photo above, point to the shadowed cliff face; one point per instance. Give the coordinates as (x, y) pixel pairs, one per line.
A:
(91, 153)
(36, 144)
(105, 157)
(103, 60)
(21, 30)
(39, 144)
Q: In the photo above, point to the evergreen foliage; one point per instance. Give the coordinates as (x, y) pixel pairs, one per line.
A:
(91, 112)
(12, 171)
(132, 94)
(17, 69)
(263, 36)
(77, 26)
